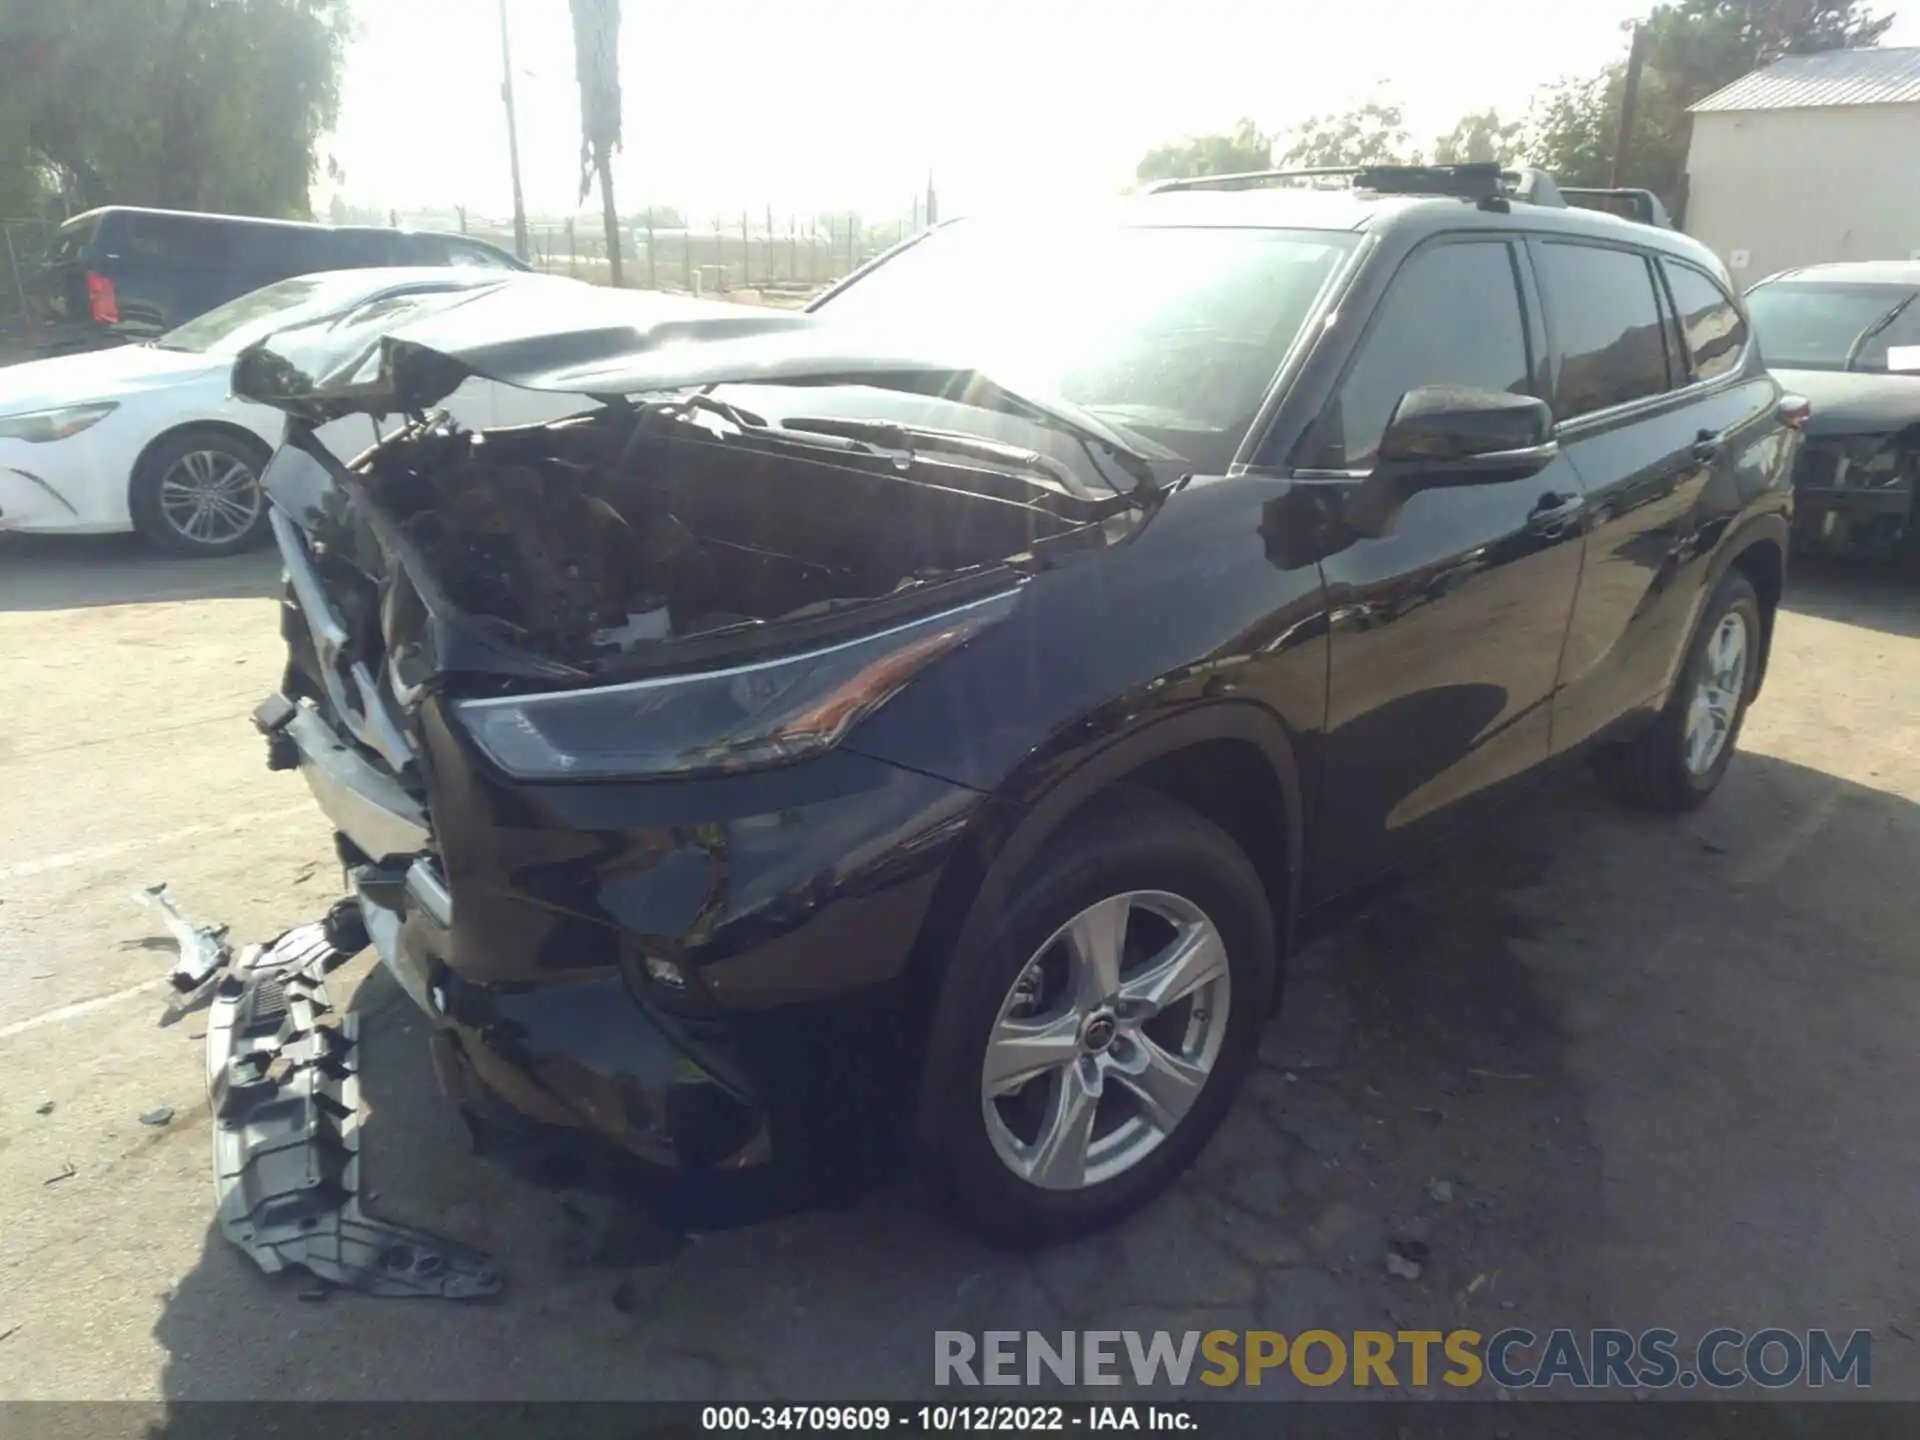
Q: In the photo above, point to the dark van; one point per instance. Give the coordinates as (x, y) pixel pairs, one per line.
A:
(118, 274)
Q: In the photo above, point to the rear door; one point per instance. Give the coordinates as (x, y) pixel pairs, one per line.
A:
(1445, 633)
(1654, 414)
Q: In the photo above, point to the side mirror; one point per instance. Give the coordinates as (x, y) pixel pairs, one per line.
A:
(1448, 435)
(1461, 437)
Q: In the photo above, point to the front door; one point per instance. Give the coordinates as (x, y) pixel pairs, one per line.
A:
(1446, 632)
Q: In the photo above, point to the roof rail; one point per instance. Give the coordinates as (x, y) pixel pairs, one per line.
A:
(1473, 181)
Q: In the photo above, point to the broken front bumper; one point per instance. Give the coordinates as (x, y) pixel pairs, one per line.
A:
(569, 1083)
(283, 1077)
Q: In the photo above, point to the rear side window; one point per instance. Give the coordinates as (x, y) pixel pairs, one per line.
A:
(1714, 331)
(175, 240)
(1451, 317)
(1609, 344)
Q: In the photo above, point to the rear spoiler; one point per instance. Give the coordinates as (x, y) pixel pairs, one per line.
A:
(1641, 205)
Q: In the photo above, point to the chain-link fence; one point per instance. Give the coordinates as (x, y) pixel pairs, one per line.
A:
(23, 250)
(772, 259)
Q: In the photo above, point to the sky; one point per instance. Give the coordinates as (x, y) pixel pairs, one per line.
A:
(732, 104)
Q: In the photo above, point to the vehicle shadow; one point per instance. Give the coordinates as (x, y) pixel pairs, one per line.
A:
(1875, 597)
(1466, 1074)
(72, 572)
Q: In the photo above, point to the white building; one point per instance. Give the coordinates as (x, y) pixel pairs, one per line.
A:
(1813, 158)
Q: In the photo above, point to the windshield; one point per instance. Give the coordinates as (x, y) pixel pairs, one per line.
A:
(1174, 333)
(1807, 326)
(228, 329)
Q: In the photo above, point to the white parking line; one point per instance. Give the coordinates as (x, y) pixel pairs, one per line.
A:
(97, 853)
(81, 1007)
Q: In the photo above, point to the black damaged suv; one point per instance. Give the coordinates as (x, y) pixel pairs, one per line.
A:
(913, 731)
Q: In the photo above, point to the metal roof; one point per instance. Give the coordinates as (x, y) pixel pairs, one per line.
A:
(1836, 77)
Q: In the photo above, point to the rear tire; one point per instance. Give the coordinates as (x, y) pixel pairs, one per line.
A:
(1189, 911)
(1675, 764)
(197, 492)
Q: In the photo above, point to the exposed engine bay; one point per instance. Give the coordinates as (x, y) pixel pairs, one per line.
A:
(585, 539)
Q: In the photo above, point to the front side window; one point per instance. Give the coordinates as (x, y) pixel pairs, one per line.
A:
(1173, 332)
(1810, 325)
(1714, 331)
(1610, 345)
(1451, 317)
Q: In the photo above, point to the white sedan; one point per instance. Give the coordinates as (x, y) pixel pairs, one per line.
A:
(149, 437)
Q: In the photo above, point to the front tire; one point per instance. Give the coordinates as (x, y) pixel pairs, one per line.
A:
(197, 492)
(1680, 760)
(1094, 1028)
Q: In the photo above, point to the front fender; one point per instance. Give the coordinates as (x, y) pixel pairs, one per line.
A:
(1056, 781)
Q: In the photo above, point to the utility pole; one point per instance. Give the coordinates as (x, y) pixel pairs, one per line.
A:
(513, 137)
(1629, 102)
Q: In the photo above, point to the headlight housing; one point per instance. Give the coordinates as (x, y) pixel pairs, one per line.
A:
(37, 427)
(719, 721)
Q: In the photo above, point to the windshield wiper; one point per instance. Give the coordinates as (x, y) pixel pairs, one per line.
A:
(1853, 351)
(892, 435)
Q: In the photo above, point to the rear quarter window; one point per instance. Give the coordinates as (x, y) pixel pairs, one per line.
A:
(71, 240)
(1715, 334)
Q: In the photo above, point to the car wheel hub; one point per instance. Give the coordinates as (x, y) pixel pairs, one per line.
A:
(210, 497)
(1717, 693)
(1105, 1040)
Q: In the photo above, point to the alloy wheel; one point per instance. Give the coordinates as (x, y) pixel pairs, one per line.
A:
(1106, 1040)
(1717, 693)
(210, 497)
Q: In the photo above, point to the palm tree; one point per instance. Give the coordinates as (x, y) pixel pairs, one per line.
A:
(596, 50)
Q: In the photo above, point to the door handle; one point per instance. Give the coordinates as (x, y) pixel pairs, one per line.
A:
(1553, 514)
(1707, 445)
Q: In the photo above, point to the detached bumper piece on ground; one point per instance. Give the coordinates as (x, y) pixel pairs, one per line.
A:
(283, 1076)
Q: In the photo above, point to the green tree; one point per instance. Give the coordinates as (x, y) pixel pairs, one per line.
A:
(1370, 134)
(1477, 138)
(596, 50)
(193, 104)
(1690, 49)
(1247, 148)
(1570, 130)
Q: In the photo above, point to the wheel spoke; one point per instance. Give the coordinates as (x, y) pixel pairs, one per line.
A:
(1165, 1085)
(1095, 939)
(1059, 1158)
(1195, 958)
(1021, 1049)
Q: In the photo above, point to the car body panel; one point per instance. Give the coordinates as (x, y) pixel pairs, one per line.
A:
(599, 957)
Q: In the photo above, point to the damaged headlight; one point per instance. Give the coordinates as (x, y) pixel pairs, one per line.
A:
(723, 720)
(39, 426)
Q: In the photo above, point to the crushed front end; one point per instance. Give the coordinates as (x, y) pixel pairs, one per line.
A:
(572, 697)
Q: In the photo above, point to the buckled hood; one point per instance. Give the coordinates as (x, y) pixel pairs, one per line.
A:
(408, 353)
(1852, 402)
